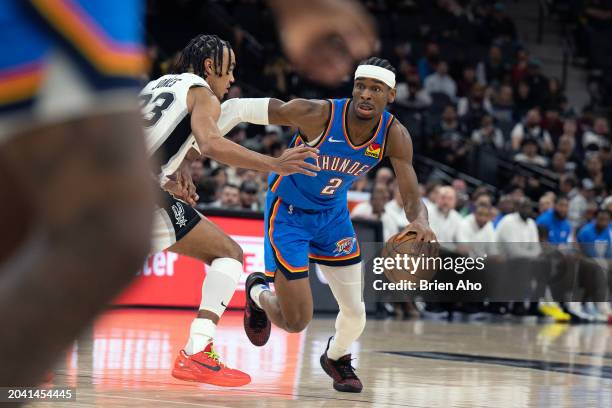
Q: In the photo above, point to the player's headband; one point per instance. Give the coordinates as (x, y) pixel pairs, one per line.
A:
(375, 72)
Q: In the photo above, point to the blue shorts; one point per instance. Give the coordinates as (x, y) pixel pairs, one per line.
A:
(103, 39)
(296, 237)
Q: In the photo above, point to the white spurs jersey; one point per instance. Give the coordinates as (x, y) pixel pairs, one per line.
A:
(167, 121)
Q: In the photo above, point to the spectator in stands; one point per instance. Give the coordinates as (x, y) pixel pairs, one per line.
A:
(529, 153)
(467, 81)
(411, 95)
(559, 164)
(197, 171)
(596, 236)
(519, 70)
(361, 184)
(555, 221)
(553, 123)
(502, 108)
(432, 189)
(554, 96)
(471, 109)
(477, 229)
(594, 170)
(568, 185)
(443, 218)
(579, 203)
(488, 135)
(538, 83)
(375, 209)
(428, 63)
(607, 203)
(482, 198)
(523, 100)
(500, 25)
(546, 202)
(598, 137)
(248, 196)
(463, 199)
(493, 71)
(384, 175)
(441, 82)
(589, 214)
(230, 197)
(394, 209)
(531, 128)
(505, 206)
(449, 141)
(519, 232)
(219, 174)
(567, 149)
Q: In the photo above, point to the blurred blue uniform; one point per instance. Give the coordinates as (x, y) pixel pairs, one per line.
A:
(307, 218)
(596, 244)
(559, 231)
(102, 38)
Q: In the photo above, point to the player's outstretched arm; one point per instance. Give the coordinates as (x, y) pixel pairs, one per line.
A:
(205, 110)
(399, 150)
(310, 116)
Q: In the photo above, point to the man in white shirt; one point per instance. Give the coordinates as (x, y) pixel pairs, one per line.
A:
(478, 231)
(518, 233)
(376, 209)
(394, 216)
(531, 129)
(441, 82)
(443, 218)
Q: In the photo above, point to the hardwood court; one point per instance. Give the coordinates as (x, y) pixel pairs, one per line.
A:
(125, 361)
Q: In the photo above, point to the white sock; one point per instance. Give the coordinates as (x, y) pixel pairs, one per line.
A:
(217, 291)
(201, 333)
(256, 291)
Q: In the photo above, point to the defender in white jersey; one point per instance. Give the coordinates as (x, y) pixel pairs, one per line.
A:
(181, 111)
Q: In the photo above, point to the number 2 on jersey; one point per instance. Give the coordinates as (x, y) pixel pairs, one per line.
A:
(332, 186)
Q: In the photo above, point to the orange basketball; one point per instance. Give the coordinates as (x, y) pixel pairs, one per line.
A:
(411, 268)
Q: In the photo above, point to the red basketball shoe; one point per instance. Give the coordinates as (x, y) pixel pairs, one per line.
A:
(342, 372)
(205, 367)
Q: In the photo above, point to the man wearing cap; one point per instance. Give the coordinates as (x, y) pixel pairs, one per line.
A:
(308, 220)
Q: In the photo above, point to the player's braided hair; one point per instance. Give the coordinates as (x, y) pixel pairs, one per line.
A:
(379, 62)
(197, 50)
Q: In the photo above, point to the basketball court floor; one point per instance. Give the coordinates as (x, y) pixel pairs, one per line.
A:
(126, 358)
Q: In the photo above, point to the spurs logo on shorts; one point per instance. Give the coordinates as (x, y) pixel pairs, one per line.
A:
(179, 214)
(344, 246)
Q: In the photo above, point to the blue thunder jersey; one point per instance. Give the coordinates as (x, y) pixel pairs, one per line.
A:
(341, 163)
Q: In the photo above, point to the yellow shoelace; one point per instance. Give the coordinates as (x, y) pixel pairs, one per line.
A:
(213, 355)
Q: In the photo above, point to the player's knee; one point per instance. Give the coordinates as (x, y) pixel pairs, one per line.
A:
(233, 250)
(297, 322)
(356, 313)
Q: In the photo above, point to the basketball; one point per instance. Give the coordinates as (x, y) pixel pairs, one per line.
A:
(407, 245)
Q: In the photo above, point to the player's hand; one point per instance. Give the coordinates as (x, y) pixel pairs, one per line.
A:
(324, 38)
(181, 185)
(293, 160)
(423, 231)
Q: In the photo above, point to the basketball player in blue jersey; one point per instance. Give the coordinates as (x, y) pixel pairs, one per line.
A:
(307, 218)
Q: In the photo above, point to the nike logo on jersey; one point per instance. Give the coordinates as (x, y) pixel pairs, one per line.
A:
(213, 368)
(332, 140)
(223, 304)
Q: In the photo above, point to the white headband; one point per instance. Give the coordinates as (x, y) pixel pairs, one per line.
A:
(375, 72)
